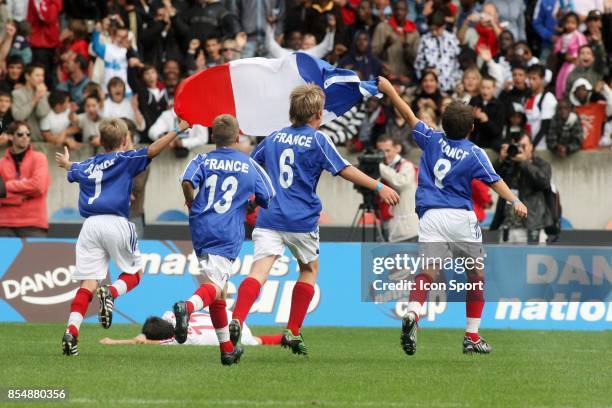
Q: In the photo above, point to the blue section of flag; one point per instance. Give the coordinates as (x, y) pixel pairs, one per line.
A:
(342, 87)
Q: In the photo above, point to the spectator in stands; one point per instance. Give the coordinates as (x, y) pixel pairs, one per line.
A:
(565, 133)
(531, 176)
(24, 182)
(55, 126)
(14, 76)
(489, 116)
(439, 50)
(30, 102)
(230, 50)
(117, 56)
(517, 91)
(545, 25)
(118, 104)
(15, 42)
(77, 79)
(172, 75)
(539, 108)
(361, 59)
(468, 7)
(400, 223)
(595, 38)
(206, 18)
(44, 16)
(396, 41)
(512, 16)
(213, 52)
(295, 42)
(75, 38)
(470, 85)
(88, 121)
(254, 16)
(6, 118)
(195, 136)
(592, 105)
(152, 96)
(515, 124)
(317, 17)
(566, 48)
(585, 68)
(429, 94)
(364, 21)
(159, 39)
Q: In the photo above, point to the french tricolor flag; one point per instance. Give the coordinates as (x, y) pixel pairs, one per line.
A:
(256, 91)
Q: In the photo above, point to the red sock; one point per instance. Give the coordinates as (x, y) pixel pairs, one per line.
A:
(271, 339)
(474, 304)
(218, 315)
(202, 297)
(247, 295)
(78, 309)
(300, 300)
(125, 283)
(418, 296)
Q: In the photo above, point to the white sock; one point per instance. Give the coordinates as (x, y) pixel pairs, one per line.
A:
(472, 325)
(120, 286)
(75, 319)
(223, 334)
(197, 302)
(415, 307)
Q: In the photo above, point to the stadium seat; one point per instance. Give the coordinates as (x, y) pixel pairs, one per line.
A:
(172, 216)
(67, 214)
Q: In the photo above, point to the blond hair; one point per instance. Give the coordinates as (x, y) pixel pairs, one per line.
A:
(306, 101)
(112, 133)
(225, 129)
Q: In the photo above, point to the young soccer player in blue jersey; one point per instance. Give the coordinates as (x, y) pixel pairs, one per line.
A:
(447, 223)
(225, 179)
(295, 157)
(105, 183)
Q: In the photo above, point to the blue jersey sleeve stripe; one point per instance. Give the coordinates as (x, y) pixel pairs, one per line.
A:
(325, 154)
(258, 149)
(476, 150)
(264, 178)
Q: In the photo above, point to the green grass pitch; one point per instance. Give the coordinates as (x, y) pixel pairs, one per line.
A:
(348, 367)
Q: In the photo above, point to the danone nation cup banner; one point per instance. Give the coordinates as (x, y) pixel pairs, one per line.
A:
(563, 288)
(256, 91)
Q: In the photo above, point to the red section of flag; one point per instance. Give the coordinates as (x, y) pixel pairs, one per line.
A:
(203, 96)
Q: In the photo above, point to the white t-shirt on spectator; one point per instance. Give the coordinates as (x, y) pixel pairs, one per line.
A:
(583, 7)
(89, 128)
(535, 116)
(122, 109)
(196, 136)
(55, 122)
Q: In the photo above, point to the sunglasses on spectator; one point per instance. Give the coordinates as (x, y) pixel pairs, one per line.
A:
(20, 134)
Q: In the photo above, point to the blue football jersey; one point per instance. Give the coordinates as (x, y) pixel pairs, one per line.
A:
(446, 170)
(294, 157)
(225, 179)
(105, 181)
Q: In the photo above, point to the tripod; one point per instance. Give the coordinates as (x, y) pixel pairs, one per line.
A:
(367, 207)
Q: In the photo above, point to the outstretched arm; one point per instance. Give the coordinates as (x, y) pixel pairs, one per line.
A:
(140, 339)
(63, 159)
(501, 188)
(356, 176)
(385, 87)
(160, 144)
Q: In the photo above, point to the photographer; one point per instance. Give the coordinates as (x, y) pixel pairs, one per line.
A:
(400, 223)
(529, 177)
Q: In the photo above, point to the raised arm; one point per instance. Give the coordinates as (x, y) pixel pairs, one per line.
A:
(356, 176)
(160, 144)
(385, 87)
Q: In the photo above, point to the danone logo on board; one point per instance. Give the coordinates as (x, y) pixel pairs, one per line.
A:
(38, 283)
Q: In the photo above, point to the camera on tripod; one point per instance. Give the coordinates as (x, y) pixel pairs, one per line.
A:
(369, 163)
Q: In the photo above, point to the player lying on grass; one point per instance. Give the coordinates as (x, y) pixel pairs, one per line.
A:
(105, 182)
(447, 223)
(225, 179)
(295, 157)
(160, 330)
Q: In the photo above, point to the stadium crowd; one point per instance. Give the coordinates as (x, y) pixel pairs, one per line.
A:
(538, 68)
